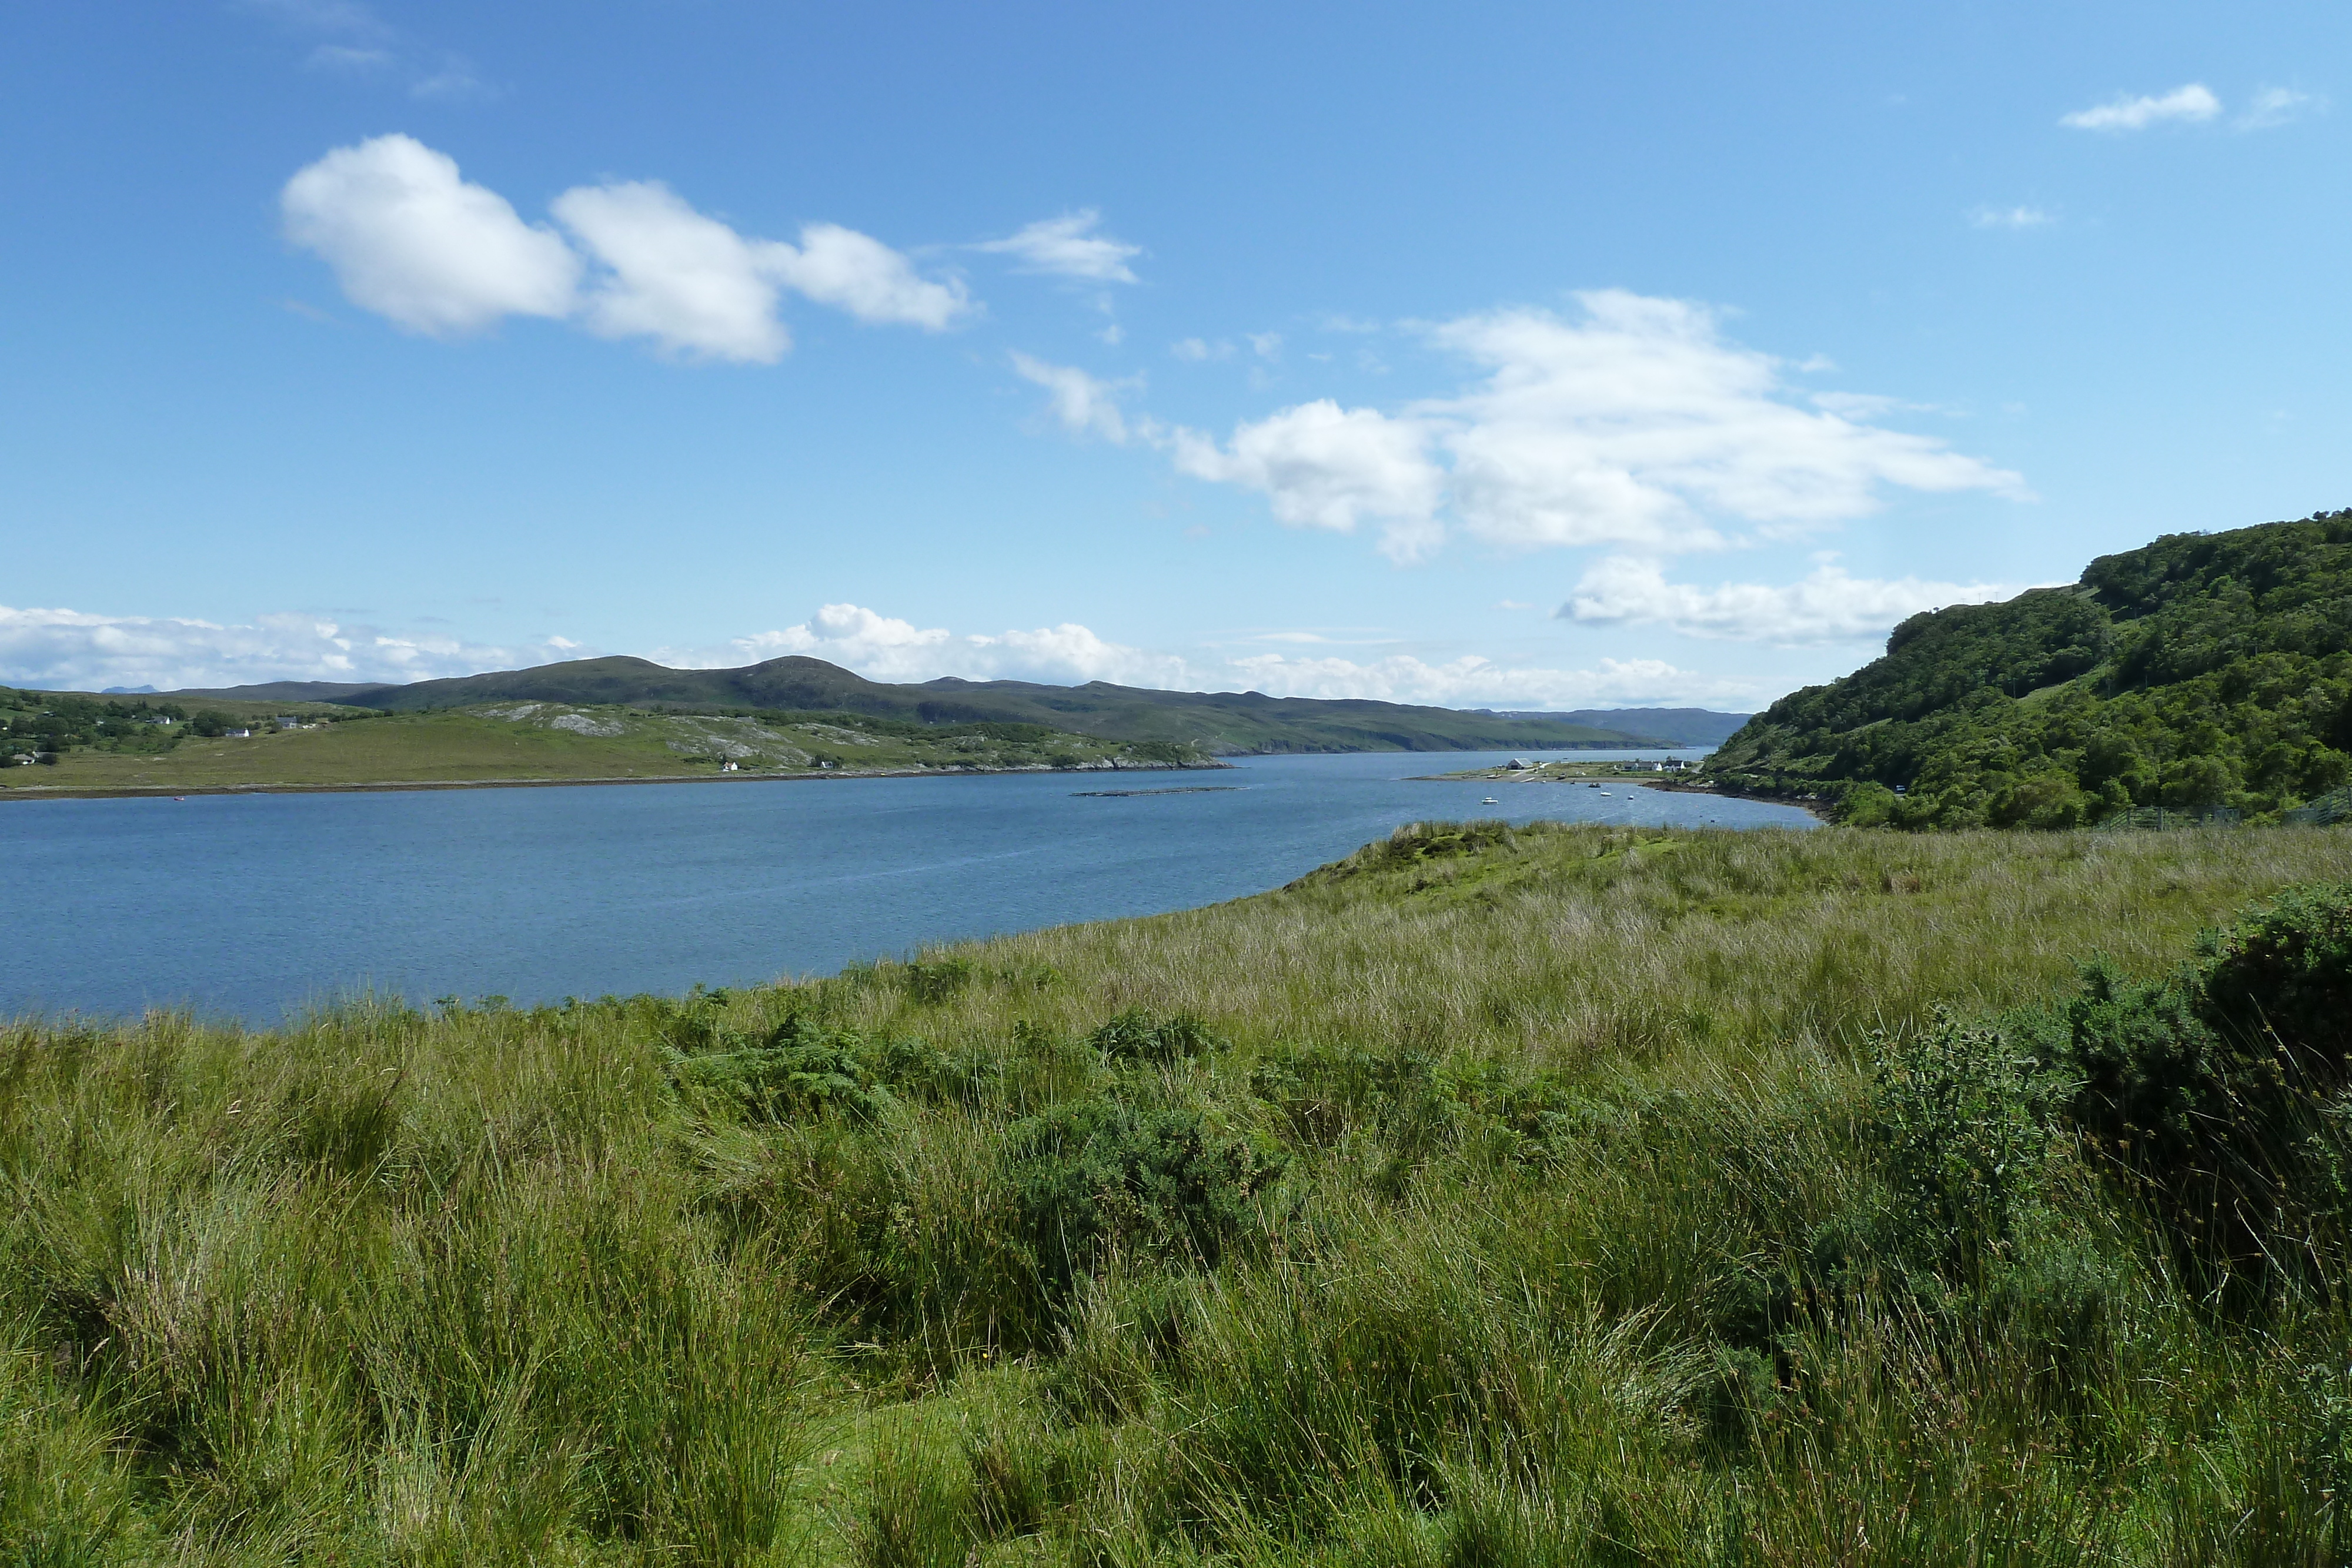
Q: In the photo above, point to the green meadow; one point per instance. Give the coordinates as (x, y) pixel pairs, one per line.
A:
(1549, 1196)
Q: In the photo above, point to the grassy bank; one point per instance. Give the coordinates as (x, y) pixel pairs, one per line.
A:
(1556, 1196)
(547, 743)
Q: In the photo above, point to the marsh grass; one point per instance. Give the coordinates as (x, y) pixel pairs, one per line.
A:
(1497, 1195)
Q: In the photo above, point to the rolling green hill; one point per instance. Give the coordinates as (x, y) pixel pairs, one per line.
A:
(2202, 672)
(539, 743)
(1218, 722)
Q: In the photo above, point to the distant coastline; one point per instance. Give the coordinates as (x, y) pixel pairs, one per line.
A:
(1690, 786)
(159, 791)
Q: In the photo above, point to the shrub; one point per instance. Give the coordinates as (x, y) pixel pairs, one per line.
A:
(934, 980)
(1094, 1174)
(2285, 971)
(2213, 1086)
(1324, 1092)
(1963, 1119)
(1135, 1036)
(800, 1069)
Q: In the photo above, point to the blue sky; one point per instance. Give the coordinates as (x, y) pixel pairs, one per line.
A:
(1511, 355)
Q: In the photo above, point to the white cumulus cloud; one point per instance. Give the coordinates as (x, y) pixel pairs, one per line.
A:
(671, 273)
(1638, 421)
(884, 648)
(2193, 102)
(412, 241)
(860, 275)
(1068, 246)
(1635, 423)
(1825, 606)
(70, 649)
(1473, 681)
(1324, 466)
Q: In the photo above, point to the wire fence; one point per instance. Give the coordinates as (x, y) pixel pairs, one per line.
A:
(2335, 806)
(2170, 819)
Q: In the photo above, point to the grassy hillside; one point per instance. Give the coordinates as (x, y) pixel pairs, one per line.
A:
(553, 742)
(1556, 1196)
(2204, 671)
(1217, 722)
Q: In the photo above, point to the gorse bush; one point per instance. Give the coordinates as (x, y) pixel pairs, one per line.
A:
(2283, 974)
(2222, 1086)
(1549, 1196)
(1135, 1036)
(936, 979)
(1966, 1125)
(1093, 1175)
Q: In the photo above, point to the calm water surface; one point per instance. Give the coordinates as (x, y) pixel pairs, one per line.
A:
(250, 905)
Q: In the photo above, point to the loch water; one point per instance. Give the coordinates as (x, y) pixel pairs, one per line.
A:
(252, 906)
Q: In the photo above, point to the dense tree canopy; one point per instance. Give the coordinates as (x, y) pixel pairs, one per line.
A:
(2202, 671)
(37, 723)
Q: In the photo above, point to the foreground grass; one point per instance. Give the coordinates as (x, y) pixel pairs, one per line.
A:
(1489, 1198)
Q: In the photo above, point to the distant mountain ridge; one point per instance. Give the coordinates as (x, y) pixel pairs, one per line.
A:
(1686, 727)
(1227, 723)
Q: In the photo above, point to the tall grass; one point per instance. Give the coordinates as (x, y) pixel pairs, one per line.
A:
(1492, 1196)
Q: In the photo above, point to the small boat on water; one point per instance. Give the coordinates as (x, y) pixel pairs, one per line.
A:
(1490, 801)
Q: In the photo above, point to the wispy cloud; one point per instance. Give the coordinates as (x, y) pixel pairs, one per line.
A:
(1084, 404)
(349, 57)
(1068, 246)
(2275, 106)
(1989, 217)
(360, 41)
(456, 80)
(346, 18)
(2192, 103)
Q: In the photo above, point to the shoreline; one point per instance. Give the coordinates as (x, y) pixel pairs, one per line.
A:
(1815, 807)
(170, 792)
